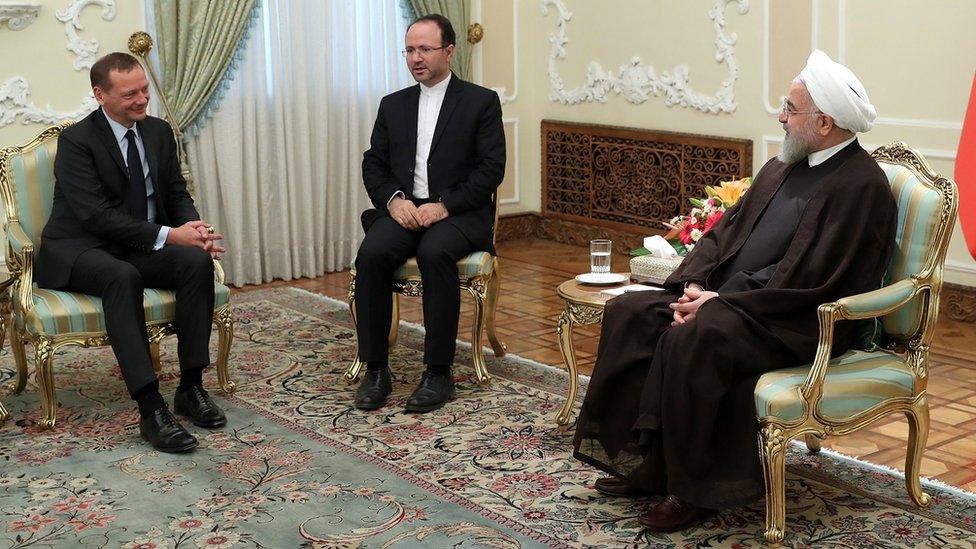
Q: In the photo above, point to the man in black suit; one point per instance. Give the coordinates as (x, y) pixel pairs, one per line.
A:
(436, 156)
(122, 220)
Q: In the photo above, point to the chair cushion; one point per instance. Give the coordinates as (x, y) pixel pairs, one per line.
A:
(32, 182)
(855, 382)
(57, 312)
(473, 264)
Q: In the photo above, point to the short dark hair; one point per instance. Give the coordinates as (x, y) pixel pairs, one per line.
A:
(115, 61)
(448, 38)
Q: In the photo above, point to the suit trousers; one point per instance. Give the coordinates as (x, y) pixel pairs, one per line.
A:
(119, 277)
(387, 246)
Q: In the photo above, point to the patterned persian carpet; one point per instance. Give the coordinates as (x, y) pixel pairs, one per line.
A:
(298, 466)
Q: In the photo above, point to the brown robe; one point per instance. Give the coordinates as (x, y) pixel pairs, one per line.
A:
(670, 409)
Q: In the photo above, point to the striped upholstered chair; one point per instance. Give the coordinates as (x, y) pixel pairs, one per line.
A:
(50, 319)
(839, 396)
(478, 272)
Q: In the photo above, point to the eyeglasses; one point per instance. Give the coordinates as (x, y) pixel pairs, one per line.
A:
(424, 51)
(789, 111)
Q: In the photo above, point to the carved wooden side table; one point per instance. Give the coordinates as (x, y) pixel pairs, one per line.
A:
(584, 305)
(5, 317)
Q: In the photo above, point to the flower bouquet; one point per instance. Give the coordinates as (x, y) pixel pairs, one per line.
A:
(687, 230)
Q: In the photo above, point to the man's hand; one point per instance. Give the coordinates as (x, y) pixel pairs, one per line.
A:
(212, 246)
(432, 213)
(193, 233)
(688, 304)
(405, 213)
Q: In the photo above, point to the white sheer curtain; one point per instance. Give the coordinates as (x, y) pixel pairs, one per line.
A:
(278, 167)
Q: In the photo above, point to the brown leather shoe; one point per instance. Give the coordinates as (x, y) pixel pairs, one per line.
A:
(615, 487)
(671, 515)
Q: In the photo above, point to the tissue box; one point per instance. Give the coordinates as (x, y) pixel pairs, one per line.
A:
(654, 270)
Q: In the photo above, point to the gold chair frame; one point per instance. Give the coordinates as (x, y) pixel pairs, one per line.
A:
(20, 264)
(483, 288)
(923, 286)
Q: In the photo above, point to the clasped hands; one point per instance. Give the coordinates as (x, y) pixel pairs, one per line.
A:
(198, 234)
(413, 217)
(688, 304)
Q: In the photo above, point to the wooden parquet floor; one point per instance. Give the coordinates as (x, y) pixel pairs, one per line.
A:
(526, 318)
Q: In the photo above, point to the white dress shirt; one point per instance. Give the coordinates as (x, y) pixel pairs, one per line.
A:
(819, 157)
(119, 130)
(429, 108)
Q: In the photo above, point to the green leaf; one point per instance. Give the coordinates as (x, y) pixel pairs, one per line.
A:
(637, 252)
(697, 202)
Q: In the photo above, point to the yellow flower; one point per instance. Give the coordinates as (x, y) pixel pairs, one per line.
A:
(729, 192)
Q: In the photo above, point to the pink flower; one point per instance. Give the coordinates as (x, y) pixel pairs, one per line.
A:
(34, 523)
(72, 504)
(91, 520)
(712, 220)
(529, 485)
(689, 225)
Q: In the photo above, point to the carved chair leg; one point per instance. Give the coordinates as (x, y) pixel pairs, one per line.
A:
(394, 322)
(491, 302)
(813, 442)
(154, 355)
(477, 325)
(352, 372)
(918, 434)
(44, 374)
(20, 359)
(772, 447)
(225, 337)
(4, 414)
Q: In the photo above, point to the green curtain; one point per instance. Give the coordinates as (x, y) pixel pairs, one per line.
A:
(196, 41)
(459, 12)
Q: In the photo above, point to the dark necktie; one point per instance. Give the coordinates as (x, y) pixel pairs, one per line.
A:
(138, 203)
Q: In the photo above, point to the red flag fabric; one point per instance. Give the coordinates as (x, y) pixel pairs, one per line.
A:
(966, 173)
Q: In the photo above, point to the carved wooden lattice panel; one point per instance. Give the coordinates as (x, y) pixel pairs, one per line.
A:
(632, 179)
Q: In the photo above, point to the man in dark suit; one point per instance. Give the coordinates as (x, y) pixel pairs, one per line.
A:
(436, 156)
(122, 220)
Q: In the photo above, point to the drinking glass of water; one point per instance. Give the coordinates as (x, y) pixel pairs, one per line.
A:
(600, 256)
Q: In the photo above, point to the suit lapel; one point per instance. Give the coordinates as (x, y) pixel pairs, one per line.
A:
(410, 115)
(451, 99)
(108, 139)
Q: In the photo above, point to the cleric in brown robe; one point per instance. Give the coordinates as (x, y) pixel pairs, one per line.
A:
(669, 410)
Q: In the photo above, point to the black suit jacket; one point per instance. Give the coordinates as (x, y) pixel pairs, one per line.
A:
(90, 190)
(466, 162)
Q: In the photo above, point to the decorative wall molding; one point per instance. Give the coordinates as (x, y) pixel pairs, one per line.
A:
(959, 302)
(502, 92)
(85, 50)
(15, 91)
(18, 15)
(636, 81)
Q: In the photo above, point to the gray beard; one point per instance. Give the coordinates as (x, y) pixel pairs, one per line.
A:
(793, 150)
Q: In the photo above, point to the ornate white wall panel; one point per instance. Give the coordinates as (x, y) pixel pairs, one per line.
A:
(18, 15)
(637, 81)
(15, 91)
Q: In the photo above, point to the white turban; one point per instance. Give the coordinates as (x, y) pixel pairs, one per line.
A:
(838, 93)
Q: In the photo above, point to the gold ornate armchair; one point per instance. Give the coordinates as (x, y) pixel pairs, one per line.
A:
(50, 319)
(839, 396)
(478, 272)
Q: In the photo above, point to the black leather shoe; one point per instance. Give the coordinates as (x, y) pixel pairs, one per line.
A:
(434, 390)
(196, 404)
(615, 487)
(671, 515)
(373, 389)
(165, 433)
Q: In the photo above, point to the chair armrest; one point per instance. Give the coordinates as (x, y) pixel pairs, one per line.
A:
(20, 263)
(866, 305)
(17, 239)
(878, 302)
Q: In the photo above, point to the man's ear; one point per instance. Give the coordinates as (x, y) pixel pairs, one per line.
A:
(826, 124)
(99, 95)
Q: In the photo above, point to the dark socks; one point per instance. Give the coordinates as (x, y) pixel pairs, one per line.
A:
(190, 378)
(148, 399)
(439, 369)
(378, 365)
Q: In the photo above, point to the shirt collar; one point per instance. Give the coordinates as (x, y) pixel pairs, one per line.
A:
(819, 157)
(118, 129)
(438, 88)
